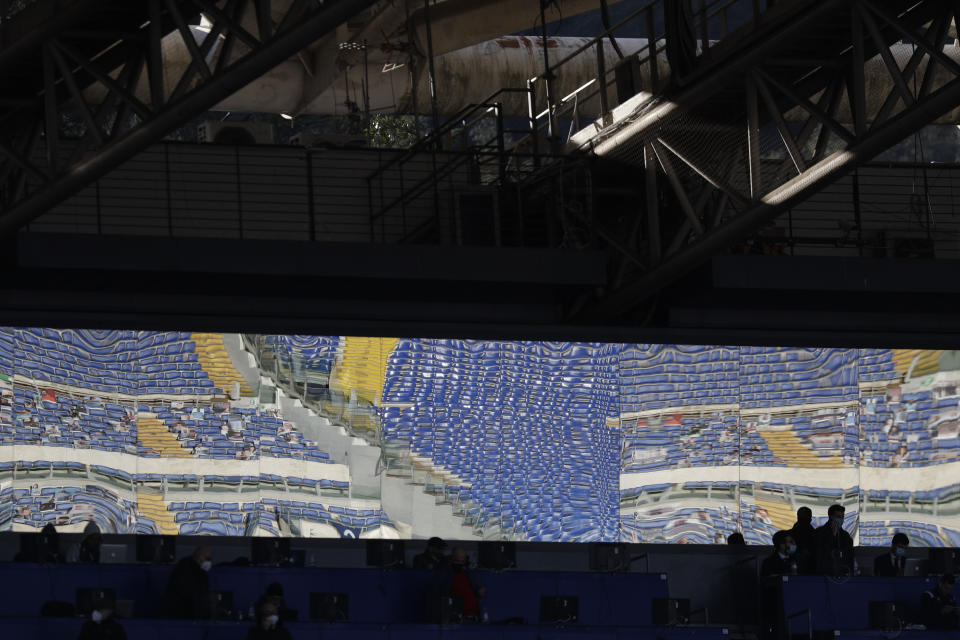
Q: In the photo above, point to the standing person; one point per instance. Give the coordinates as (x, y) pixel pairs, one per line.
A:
(892, 564)
(268, 625)
(805, 535)
(938, 607)
(102, 625)
(432, 557)
(188, 591)
(783, 560)
(736, 538)
(834, 553)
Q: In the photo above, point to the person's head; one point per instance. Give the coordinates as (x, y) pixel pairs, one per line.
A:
(835, 513)
(783, 543)
(267, 615)
(899, 544)
(804, 515)
(736, 538)
(435, 546)
(946, 584)
(203, 556)
(274, 594)
(458, 557)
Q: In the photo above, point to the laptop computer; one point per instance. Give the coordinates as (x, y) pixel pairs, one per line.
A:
(915, 567)
(113, 554)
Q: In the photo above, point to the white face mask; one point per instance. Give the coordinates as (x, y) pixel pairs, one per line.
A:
(205, 565)
(272, 620)
(96, 616)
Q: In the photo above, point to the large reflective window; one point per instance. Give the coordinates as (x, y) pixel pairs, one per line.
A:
(358, 437)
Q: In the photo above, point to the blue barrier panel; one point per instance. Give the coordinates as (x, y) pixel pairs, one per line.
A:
(42, 629)
(843, 603)
(375, 596)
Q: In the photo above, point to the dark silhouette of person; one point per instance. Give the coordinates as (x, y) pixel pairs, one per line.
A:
(90, 545)
(49, 550)
(783, 560)
(268, 625)
(938, 607)
(188, 591)
(102, 625)
(805, 535)
(892, 564)
(834, 553)
(736, 538)
(432, 557)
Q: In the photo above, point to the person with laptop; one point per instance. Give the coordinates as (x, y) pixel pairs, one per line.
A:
(938, 607)
(102, 625)
(188, 591)
(892, 564)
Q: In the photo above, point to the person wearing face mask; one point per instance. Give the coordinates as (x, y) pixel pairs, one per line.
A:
(834, 545)
(188, 591)
(892, 564)
(268, 625)
(460, 583)
(783, 560)
(102, 625)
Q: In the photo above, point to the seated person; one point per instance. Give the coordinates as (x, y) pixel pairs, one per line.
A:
(461, 584)
(783, 560)
(102, 625)
(274, 595)
(891, 564)
(736, 538)
(938, 607)
(188, 591)
(432, 558)
(268, 625)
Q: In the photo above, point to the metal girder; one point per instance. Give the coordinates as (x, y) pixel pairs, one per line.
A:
(89, 78)
(726, 145)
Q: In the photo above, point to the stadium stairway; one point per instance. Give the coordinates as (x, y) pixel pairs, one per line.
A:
(215, 361)
(151, 505)
(780, 514)
(788, 447)
(154, 434)
(362, 368)
(927, 363)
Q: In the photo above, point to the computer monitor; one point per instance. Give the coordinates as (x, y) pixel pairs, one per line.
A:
(915, 567)
(221, 605)
(609, 556)
(329, 607)
(272, 552)
(445, 609)
(385, 554)
(158, 549)
(559, 609)
(885, 615)
(942, 561)
(670, 611)
(90, 598)
(497, 555)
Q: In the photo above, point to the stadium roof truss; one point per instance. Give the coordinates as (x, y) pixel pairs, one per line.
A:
(56, 54)
(722, 143)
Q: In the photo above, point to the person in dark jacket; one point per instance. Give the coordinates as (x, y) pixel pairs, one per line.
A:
(834, 545)
(805, 535)
(783, 560)
(90, 545)
(736, 538)
(432, 557)
(102, 625)
(188, 591)
(274, 595)
(268, 625)
(938, 607)
(892, 564)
